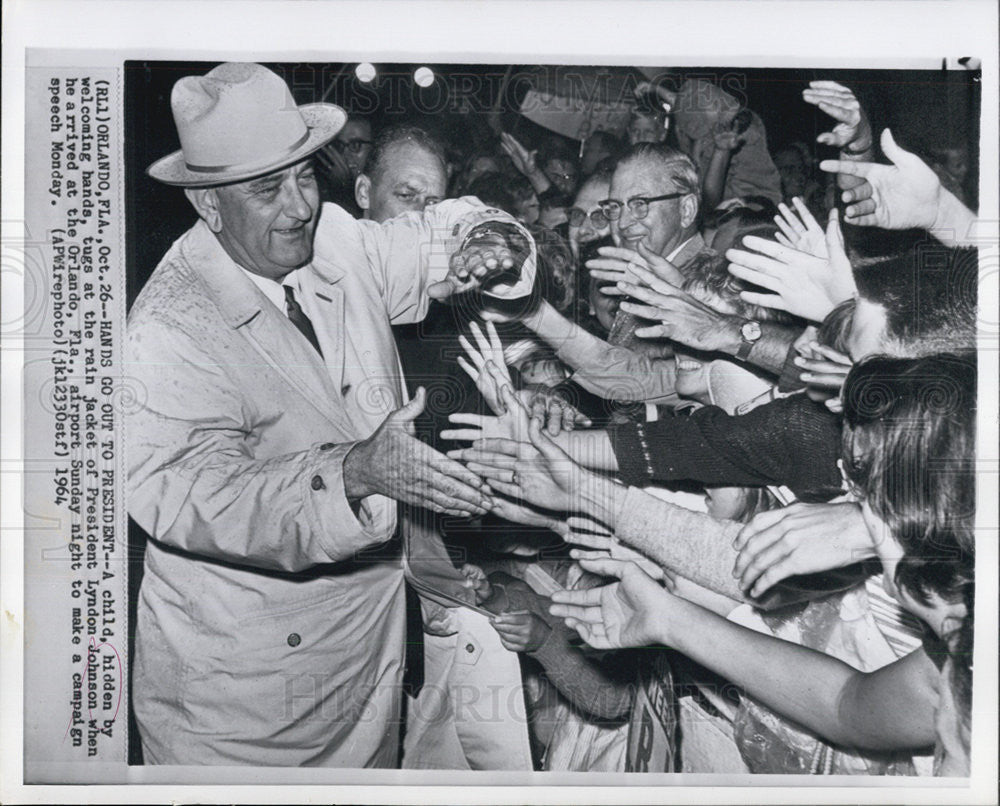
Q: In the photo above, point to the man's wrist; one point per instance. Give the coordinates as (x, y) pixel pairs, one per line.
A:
(953, 221)
(356, 482)
(730, 336)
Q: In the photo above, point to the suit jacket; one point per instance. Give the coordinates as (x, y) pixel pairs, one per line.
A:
(269, 630)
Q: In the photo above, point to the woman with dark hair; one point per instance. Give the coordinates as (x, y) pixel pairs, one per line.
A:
(909, 436)
(909, 446)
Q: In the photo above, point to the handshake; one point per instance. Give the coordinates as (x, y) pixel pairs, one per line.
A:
(393, 462)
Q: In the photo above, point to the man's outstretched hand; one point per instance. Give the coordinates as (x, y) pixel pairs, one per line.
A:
(394, 463)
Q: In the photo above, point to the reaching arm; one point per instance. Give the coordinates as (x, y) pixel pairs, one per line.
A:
(692, 544)
(447, 249)
(689, 321)
(526, 162)
(713, 184)
(905, 194)
(592, 448)
(764, 446)
(614, 373)
(852, 134)
(891, 708)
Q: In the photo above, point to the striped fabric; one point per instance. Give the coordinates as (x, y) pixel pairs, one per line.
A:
(901, 630)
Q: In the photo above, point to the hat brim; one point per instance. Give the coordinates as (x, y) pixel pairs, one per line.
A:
(322, 120)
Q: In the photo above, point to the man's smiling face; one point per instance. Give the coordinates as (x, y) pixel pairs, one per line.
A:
(267, 224)
(661, 229)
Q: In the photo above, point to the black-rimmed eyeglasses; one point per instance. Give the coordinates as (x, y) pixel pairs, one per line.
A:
(638, 206)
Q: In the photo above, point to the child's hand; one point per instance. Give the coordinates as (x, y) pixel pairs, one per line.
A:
(521, 631)
(475, 580)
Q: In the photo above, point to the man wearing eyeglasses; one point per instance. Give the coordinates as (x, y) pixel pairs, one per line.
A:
(354, 142)
(652, 209)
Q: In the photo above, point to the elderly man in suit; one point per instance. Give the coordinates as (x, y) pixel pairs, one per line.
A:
(272, 444)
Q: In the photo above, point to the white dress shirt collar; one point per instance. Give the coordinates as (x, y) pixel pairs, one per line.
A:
(274, 291)
(677, 251)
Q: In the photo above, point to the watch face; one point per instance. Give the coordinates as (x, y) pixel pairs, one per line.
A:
(750, 331)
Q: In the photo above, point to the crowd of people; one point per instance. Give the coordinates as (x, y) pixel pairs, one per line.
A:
(687, 463)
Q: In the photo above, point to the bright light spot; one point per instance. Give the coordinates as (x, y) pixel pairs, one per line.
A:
(365, 72)
(424, 76)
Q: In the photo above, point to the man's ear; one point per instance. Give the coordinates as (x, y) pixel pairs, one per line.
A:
(362, 191)
(689, 210)
(206, 203)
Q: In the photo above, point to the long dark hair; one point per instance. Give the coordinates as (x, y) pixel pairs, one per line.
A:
(909, 448)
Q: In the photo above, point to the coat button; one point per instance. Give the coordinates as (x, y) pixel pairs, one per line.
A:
(470, 648)
(317, 483)
(294, 639)
(327, 446)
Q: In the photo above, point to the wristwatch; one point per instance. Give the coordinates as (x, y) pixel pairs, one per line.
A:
(749, 336)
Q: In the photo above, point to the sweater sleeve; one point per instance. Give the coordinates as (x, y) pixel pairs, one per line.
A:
(790, 441)
(692, 544)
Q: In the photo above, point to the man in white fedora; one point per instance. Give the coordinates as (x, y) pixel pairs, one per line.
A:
(271, 443)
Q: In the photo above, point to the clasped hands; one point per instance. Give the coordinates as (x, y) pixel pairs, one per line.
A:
(482, 256)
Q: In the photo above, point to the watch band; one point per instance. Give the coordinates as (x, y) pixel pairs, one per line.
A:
(745, 347)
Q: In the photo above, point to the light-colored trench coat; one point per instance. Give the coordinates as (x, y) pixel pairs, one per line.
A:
(265, 636)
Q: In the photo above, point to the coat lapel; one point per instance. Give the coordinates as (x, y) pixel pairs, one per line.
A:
(285, 349)
(270, 333)
(358, 357)
(328, 321)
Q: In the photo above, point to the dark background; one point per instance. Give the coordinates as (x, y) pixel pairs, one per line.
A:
(924, 108)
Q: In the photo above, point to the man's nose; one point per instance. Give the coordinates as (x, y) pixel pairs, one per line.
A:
(626, 218)
(296, 205)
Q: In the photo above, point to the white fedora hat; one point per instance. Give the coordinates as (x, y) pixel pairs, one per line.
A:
(240, 121)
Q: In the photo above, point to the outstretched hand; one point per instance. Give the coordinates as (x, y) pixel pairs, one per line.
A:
(682, 317)
(799, 539)
(801, 231)
(726, 138)
(524, 160)
(511, 424)
(899, 196)
(803, 284)
(394, 463)
(470, 266)
(852, 130)
(552, 410)
(626, 613)
(536, 471)
(617, 264)
(488, 350)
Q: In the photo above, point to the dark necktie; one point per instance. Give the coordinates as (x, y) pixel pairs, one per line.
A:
(299, 318)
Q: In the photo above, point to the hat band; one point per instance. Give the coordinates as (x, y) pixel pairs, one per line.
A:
(218, 169)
